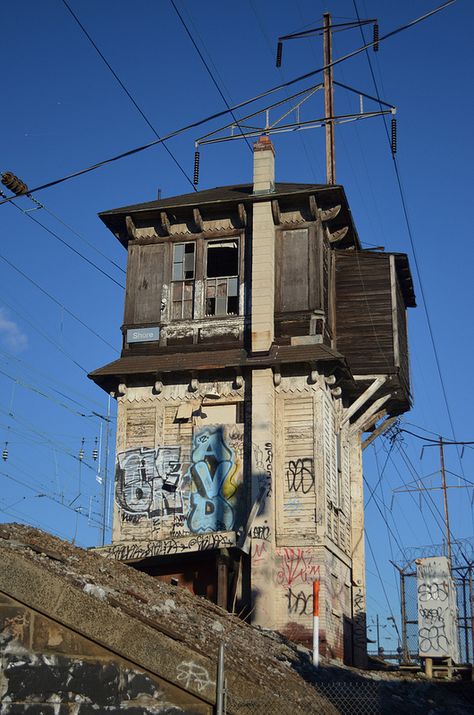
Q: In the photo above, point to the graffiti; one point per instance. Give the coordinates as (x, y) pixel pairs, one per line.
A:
(437, 612)
(197, 495)
(260, 532)
(259, 551)
(300, 604)
(300, 475)
(264, 466)
(297, 567)
(213, 471)
(432, 639)
(193, 675)
(165, 547)
(291, 505)
(433, 591)
(147, 481)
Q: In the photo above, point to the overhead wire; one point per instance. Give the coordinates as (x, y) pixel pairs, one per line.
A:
(127, 92)
(209, 71)
(61, 240)
(55, 300)
(216, 115)
(411, 239)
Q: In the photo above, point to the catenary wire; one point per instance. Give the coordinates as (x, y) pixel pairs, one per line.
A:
(209, 71)
(412, 242)
(216, 115)
(127, 92)
(61, 240)
(56, 301)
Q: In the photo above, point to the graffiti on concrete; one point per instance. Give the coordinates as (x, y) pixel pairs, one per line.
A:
(193, 675)
(194, 496)
(296, 567)
(263, 460)
(130, 551)
(213, 470)
(148, 480)
(300, 603)
(437, 618)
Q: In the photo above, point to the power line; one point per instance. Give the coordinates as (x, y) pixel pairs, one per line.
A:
(410, 236)
(61, 240)
(203, 60)
(56, 301)
(216, 115)
(127, 92)
(51, 340)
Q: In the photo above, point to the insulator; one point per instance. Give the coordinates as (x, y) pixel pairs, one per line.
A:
(12, 182)
(394, 135)
(95, 454)
(279, 53)
(196, 168)
(376, 37)
(5, 452)
(81, 454)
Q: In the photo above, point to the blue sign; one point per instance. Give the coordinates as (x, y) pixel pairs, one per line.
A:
(143, 335)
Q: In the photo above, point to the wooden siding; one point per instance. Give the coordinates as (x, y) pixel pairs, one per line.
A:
(403, 340)
(145, 271)
(364, 328)
(298, 484)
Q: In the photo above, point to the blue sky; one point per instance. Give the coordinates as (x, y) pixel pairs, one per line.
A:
(63, 110)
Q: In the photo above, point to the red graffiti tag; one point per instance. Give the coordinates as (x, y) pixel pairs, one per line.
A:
(296, 567)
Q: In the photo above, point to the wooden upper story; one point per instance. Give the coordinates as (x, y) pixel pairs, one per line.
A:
(189, 286)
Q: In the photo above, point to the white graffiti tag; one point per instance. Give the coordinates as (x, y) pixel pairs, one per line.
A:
(193, 675)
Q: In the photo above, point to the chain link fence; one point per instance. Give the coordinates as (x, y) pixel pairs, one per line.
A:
(330, 698)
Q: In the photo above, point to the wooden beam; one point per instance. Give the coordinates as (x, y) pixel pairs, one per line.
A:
(131, 228)
(362, 399)
(328, 214)
(242, 215)
(313, 207)
(198, 219)
(165, 222)
(376, 433)
(365, 420)
(371, 421)
(276, 212)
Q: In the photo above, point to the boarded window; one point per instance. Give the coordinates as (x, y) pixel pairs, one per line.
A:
(298, 271)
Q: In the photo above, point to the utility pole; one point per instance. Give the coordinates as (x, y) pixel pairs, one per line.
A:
(445, 498)
(329, 100)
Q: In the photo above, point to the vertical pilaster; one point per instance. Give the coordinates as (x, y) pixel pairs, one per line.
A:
(359, 608)
(263, 527)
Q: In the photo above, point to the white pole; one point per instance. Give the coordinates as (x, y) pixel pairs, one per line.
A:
(316, 623)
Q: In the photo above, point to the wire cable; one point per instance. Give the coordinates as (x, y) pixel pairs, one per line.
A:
(56, 301)
(216, 115)
(61, 240)
(214, 81)
(127, 92)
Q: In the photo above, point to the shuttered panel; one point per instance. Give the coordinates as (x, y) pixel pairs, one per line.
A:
(330, 466)
(144, 284)
(299, 492)
(294, 258)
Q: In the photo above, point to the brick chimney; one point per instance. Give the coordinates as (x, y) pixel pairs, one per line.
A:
(263, 166)
(263, 247)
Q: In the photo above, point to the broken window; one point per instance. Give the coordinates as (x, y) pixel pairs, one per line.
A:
(182, 287)
(222, 278)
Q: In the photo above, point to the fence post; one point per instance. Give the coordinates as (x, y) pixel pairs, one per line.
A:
(316, 622)
(220, 684)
